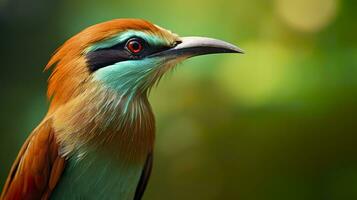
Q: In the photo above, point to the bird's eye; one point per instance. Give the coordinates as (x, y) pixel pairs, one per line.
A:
(134, 45)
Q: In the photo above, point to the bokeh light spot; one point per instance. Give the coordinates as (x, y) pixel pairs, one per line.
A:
(307, 15)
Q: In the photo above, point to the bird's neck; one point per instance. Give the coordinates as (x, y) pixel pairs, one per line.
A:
(102, 119)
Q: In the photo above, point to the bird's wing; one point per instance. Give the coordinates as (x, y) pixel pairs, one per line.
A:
(144, 178)
(37, 167)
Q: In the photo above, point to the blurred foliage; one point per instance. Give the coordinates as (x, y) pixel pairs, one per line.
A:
(276, 123)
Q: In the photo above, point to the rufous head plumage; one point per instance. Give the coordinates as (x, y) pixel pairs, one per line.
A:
(69, 63)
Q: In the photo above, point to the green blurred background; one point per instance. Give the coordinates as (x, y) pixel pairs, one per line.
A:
(276, 123)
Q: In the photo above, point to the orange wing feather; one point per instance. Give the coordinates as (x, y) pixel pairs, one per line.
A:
(37, 167)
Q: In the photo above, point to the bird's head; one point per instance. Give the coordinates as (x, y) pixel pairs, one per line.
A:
(124, 55)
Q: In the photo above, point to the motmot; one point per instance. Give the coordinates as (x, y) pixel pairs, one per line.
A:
(97, 139)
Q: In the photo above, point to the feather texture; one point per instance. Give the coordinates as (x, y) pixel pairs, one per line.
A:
(37, 168)
(69, 64)
(98, 135)
(96, 118)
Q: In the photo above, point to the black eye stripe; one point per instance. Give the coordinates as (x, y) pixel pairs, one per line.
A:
(108, 56)
(103, 58)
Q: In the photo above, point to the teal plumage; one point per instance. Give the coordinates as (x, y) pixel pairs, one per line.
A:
(104, 166)
(98, 176)
(96, 141)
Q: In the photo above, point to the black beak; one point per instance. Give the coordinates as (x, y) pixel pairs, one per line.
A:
(195, 46)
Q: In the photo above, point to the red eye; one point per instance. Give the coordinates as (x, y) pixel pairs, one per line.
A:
(134, 46)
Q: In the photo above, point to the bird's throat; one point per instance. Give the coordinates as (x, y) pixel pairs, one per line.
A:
(102, 119)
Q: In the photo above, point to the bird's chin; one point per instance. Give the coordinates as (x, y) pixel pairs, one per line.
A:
(169, 64)
(173, 61)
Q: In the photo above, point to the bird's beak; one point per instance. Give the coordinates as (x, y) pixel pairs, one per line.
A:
(195, 46)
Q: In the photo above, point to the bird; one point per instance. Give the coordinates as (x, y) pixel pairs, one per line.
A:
(97, 139)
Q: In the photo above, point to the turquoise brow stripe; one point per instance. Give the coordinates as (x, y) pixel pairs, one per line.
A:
(150, 38)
